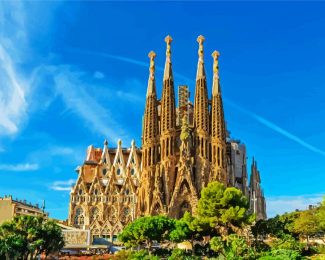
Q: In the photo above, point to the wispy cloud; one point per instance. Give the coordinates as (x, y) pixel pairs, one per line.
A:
(22, 167)
(62, 185)
(258, 118)
(13, 89)
(72, 86)
(277, 205)
(128, 60)
(276, 128)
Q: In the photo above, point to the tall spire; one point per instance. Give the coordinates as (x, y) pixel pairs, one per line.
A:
(200, 66)
(218, 127)
(150, 126)
(168, 114)
(201, 102)
(151, 90)
(168, 73)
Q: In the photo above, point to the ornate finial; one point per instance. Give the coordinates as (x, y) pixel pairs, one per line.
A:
(105, 142)
(152, 56)
(119, 142)
(200, 40)
(168, 40)
(133, 143)
(215, 56)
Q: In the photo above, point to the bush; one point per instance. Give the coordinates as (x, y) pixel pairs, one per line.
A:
(180, 254)
(282, 254)
(288, 242)
(134, 255)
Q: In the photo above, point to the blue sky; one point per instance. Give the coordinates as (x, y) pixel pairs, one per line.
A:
(75, 73)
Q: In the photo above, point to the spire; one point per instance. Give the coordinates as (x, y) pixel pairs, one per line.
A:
(151, 90)
(201, 102)
(216, 84)
(168, 65)
(200, 66)
(150, 125)
(168, 114)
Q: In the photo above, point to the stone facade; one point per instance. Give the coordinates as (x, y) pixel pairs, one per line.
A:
(103, 199)
(183, 149)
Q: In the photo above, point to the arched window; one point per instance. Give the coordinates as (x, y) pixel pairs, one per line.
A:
(79, 217)
(104, 171)
(118, 172)
(80, 191)
(126, 211)
(132, 171)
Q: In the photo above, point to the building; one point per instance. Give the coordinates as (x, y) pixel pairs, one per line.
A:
(183, 149)
(10, 208)
(238, 169)
(256, 194)
(103, 199)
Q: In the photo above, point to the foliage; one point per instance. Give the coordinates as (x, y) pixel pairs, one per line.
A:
(183, 229)
(234, 247)
(28, 236)
(306, 224)
(134, 255)
(147, 229)
(276, 226)
(180, 254)
(287, 242)
(225, 209)
(282, 254)
(320, 216)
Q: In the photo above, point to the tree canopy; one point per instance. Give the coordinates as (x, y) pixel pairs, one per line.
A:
(27, 236)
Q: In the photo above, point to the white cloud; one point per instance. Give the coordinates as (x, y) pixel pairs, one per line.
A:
(19, 167)
(281, 204)
(62, 185)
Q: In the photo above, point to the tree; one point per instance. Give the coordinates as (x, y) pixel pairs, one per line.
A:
(52, 237)
(27, 236)
(225, 209)
(306, 224)
(320, 216)
(146, 230)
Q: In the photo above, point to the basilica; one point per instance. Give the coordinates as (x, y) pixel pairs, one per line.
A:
(184, 147)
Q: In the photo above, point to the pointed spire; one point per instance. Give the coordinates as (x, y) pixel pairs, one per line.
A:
(151, 90)
(168, 65)
(200, 66)
(216, 84)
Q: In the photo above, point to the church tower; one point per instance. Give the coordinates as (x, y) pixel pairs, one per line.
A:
(201, 122)
(218, 128)
(168, 127)
(150, 142)
(256, 195)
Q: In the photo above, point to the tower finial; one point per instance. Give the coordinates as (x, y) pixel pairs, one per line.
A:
(168, 40)
(168, 67)
(105, 142)
(152, 56)
(216, 87)
(200, 40)
(215, 56)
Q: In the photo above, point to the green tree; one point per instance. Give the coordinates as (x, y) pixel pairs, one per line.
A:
(225, 209)
(26, 236)
(233, 247)
(320, 216)
(145, 230)
(306, 224)
(52, 237)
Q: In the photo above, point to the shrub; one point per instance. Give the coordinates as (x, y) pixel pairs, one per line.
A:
(180, 254)
(134, 255)
(282, 254)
